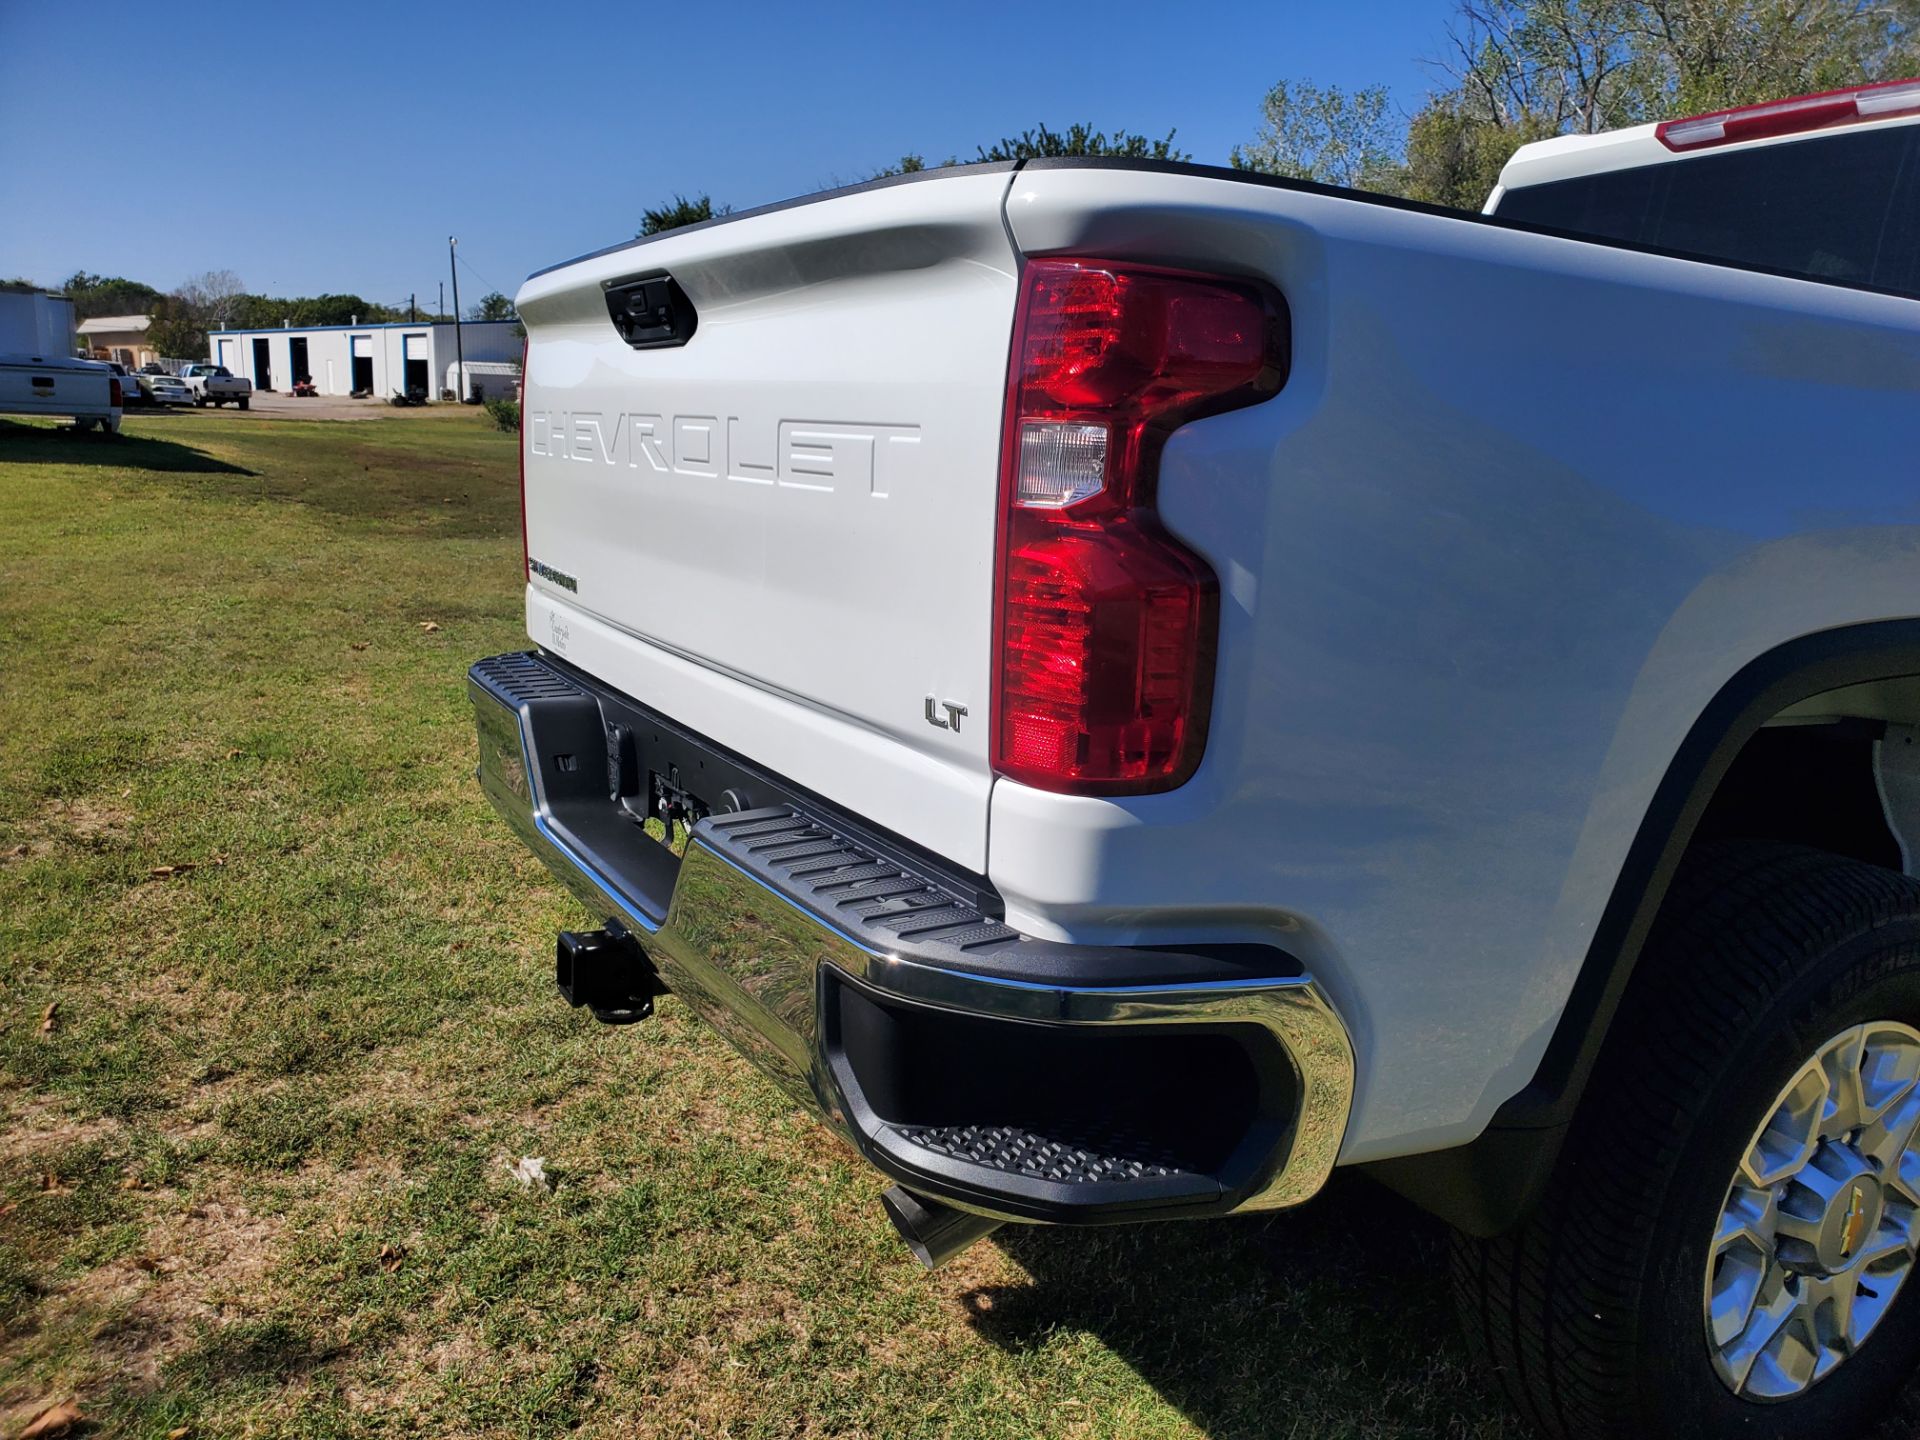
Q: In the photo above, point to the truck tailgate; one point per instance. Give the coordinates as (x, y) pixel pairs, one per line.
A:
(780, 529)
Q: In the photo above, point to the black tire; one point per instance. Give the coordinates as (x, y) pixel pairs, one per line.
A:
(1591, 1310)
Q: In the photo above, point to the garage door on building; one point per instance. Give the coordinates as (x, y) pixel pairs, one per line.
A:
(230, 355)
(360, 348)
(417, 363)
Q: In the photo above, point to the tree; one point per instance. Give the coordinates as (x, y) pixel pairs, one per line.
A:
(491, 306)
(1328, 135)
(1580, 66)
(1523, 70)
(1454, 157)
(905, 165)
(176, 332)
(212, 298)
(1046, 142)
(1043, 143)
(108, 295)
(681, 212)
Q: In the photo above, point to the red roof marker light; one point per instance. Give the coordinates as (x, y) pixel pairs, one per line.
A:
(1797, 116)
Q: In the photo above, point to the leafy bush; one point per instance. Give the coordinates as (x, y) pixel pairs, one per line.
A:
(505, 413)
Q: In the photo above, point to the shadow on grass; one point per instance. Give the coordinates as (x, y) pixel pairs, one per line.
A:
(1332, 1320)
(39, 445)
(249, 1352)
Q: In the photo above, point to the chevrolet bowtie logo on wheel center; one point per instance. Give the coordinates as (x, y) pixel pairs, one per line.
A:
(1856, 1221)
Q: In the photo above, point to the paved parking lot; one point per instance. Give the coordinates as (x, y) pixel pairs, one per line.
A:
(280, 405)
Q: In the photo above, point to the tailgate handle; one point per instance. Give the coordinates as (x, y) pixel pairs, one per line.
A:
(651, 312)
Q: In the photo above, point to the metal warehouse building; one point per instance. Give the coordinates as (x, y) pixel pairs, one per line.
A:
(371, 359)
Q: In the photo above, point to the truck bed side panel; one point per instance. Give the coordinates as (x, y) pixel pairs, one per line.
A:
(1524, 507)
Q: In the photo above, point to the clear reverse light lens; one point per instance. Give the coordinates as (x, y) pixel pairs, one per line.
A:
(1060, 463)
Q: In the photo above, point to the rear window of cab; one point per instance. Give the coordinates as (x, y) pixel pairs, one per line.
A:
(1843, 206)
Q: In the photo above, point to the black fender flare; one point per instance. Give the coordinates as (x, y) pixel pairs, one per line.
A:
(1489, 1184)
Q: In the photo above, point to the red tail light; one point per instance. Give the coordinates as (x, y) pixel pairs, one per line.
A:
(1791, 117)
(520, 439)
(116, 397)
(1107, 624)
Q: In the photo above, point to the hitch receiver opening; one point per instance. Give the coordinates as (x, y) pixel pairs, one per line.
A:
(608, 972)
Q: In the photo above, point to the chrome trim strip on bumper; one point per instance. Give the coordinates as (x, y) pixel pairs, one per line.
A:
(748, 959)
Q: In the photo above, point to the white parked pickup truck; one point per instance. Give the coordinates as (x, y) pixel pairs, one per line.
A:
(1157, 682)
(216, 385)
(87, 391)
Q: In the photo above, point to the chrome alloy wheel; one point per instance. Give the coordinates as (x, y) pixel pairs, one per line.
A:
(1819, 1228)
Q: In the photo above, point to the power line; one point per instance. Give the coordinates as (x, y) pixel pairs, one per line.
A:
(462, 260)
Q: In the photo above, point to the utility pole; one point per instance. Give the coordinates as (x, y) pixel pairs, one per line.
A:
(441, 310)
(459, 350)
(412, 315)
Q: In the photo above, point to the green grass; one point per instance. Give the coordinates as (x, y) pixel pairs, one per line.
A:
(334, 1034)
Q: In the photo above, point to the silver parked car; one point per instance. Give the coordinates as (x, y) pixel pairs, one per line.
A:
(167, 390)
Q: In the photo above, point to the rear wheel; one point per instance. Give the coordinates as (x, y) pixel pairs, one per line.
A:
(1726, 1245)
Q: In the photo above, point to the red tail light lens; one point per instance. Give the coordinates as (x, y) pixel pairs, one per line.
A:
(520, 439)
(116, 397)
(1106, 623)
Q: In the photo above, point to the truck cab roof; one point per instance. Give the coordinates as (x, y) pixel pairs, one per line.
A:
(1822, 187)
(1776, 122)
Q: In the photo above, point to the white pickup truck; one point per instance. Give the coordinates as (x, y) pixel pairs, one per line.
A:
(1125, 686)
(86, 391)
(216, 385)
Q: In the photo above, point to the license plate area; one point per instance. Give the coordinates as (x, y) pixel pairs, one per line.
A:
(664, 783)
(620, 787)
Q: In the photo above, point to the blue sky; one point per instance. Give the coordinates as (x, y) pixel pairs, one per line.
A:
(336, 154)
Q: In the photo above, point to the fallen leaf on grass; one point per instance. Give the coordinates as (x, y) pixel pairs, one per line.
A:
(180, 1432)
(50, 1018)
(531, 1171)
(148, 1264)
(167, 872)
(55, 1420)
(133, 1182)
(391, 1256)
(235, 754)
(429, 626)
(50, 1183)
(18, 850)
(357, 645)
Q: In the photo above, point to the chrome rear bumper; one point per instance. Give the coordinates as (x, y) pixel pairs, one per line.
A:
(861, 986)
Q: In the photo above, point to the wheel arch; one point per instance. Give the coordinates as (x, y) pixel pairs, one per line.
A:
(1489, 1184)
